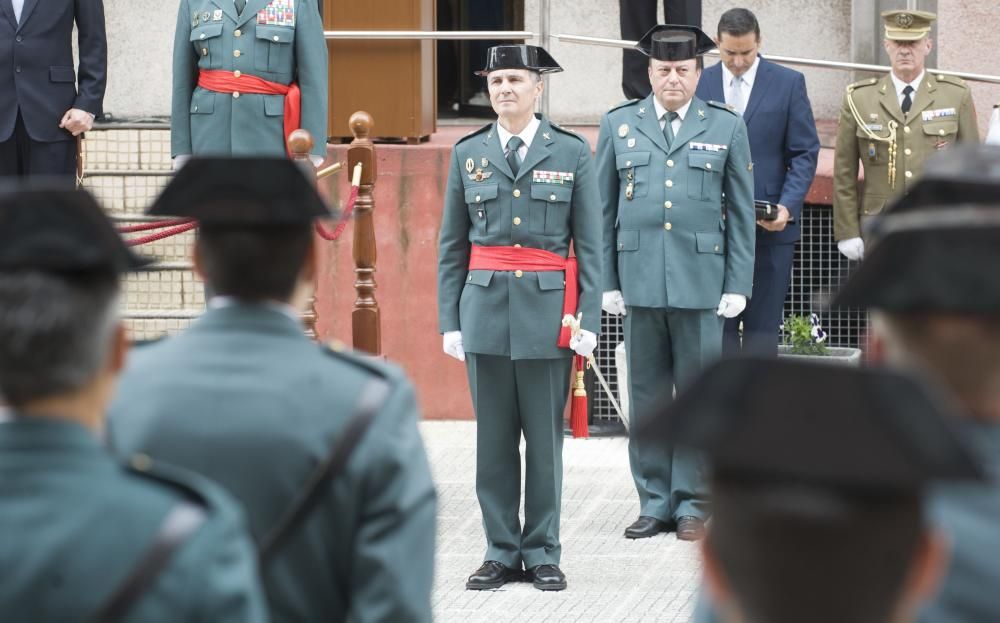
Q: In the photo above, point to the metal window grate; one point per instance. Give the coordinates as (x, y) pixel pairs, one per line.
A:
(818, 271)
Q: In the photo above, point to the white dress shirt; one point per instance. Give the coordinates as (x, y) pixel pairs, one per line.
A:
(221, 302)
(748, 77)
(18, 5)
(900, 85)
(676, 123)
(526, 135)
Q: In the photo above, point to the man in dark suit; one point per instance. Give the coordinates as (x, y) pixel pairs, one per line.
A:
(44, 104)
(784, 147)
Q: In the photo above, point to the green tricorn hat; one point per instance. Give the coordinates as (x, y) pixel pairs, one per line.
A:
(530, 57)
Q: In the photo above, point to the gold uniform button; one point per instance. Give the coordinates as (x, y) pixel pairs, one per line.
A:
(668, 226)
(236, 95)
(275, 37)
(670, 163)
(906, 129)
(237, 32)
(941, 132)
(670, 183)
(478, 198)
(517, 220)
(517, 193)
(628, 163)
(907, 151)
(470, 277)
(518, 274)
(517, 246)
(141, 462)
(668, 204)
(237, 73)
(716, 248)
(196, 108)
(909, 174)
(708, 165)
(204, 51)
(202, 35)
(236, 53)
(552, 197)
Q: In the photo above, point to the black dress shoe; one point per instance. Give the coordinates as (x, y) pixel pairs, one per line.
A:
(547, 578)
(645, 527)
(690, 529)
(492, 574)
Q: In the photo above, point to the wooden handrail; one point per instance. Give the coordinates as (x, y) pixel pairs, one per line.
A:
(300, 143)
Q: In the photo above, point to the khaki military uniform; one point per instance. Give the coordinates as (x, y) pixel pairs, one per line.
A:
(892, 146)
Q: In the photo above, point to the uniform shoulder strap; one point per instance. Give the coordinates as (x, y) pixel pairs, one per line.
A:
(181, 522)
(373, 396)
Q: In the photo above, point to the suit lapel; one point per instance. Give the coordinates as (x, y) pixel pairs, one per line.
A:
(889, 99)
(648, 124)
(494, 152)
(8, 10)
(26, 10)
(761, 84)
(714, 89)
(539, 149)
(229, 8)
(250, 10)
(692, 126)
(923, 98)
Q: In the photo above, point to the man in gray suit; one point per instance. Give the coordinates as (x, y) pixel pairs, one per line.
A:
(930, 281)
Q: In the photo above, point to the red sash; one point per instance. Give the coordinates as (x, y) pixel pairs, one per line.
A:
(221, 81)
(532, 260)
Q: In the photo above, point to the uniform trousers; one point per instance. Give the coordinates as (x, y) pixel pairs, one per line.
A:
(21, 156)
(666, 349)
(511, 397)
(772, 273)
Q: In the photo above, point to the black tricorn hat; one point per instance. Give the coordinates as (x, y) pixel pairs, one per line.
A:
(674, 42)
(937, 248)
(815, 424)
(521, 56)
(59, 230)
(261, 191)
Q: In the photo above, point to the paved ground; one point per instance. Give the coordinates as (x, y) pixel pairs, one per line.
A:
(610, 578)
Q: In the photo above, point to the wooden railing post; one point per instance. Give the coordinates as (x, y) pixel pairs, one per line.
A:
(365, 320)
(300, 143)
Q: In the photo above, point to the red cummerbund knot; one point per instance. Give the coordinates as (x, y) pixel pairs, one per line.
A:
(229, 82)
(532, 260)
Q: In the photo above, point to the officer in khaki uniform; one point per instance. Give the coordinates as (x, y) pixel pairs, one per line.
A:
(675, 262)
(520, 192)
(891, 125)
(234, 63)
(84, 536)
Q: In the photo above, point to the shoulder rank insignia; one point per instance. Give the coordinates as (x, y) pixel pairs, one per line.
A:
(701, 114)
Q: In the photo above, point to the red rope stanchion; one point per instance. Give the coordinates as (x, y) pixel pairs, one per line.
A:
(331, 236)
(173, 231)
(131, 229)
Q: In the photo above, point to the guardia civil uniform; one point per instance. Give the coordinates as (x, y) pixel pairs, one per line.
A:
(672, 250)
(279, 41)
(891, 146)
(510, 318)
(77, 526)
(245, 398)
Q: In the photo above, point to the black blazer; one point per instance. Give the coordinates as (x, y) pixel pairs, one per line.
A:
(36, 65)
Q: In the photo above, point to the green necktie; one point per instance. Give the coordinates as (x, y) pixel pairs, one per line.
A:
(668, 129)
(513, 158)
(240, 5)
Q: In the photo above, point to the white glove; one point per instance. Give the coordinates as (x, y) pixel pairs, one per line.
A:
(583, 343)
(180, 160)
(852, 248)
(453, 344)
(613, 303)
(731, 305)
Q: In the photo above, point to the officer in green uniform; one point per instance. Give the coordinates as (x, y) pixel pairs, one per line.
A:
(245, 398)
(84, 537)
(520, 192)
(891, 125)
(675, 261)
(233, 62)
(930, 282)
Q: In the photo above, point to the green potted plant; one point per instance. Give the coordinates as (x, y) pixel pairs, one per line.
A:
(804, 337)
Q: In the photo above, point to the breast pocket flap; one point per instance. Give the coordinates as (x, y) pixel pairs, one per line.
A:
(480, 277)
(276, 34)
(941, 128)
(551, 192)
(551, 280)
(61, 74)
(710, 242)
(479, 194)
(632, 159)
(706, 161)
(207, 31)
(628, 240)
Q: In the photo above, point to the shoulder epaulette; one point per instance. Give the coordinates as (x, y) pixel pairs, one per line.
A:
(723, 106)
(566, 131)
(951, 80)
(189, 485)
(623, 104)
(474, 133)
(340, 351)
(867, 82)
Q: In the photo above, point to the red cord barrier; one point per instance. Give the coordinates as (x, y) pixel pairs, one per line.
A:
(131, 229)
(325, 233)
(173, 231)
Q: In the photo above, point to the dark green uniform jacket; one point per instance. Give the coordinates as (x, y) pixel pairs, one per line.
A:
(277, 40)
(74, 524)
(551, 201)
(246, 399)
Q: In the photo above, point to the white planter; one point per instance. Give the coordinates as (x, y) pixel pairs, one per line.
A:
(835, 355)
